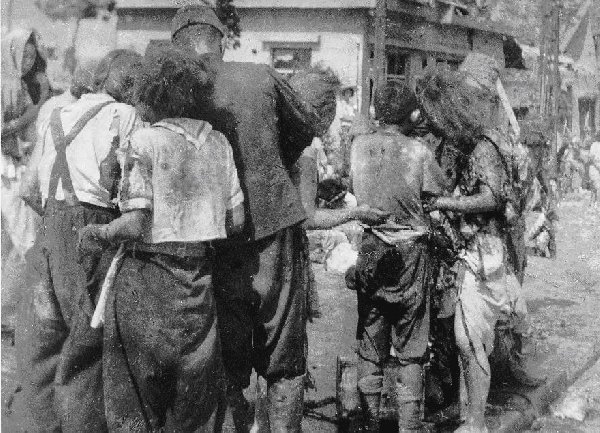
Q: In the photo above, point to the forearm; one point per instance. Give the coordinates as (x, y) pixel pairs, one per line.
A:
(129, 226)
(17, 125)
(478, 203)
(328, 218)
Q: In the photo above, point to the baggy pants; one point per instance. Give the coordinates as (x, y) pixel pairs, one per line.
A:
(60, 355)
(162, 357)
(261, 291)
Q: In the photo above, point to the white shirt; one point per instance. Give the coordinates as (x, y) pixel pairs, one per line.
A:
(91, 147)
(184, 172)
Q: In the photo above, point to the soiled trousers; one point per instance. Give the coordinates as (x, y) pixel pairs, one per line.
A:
(60, 355)
(261, 292)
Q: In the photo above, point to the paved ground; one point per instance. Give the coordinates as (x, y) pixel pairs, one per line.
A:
(562, 297)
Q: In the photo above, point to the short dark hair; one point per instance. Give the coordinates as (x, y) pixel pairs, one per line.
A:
(116, 74)
(318, 87)
(394, 102)
(173, 83)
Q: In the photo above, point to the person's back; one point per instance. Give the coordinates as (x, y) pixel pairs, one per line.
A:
(391, 172)
(247, 108)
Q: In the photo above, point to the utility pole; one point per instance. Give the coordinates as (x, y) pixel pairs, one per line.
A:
(549, 75)
(379, 54)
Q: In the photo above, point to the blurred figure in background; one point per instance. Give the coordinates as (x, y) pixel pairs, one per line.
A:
(594, 170)
(25, 87)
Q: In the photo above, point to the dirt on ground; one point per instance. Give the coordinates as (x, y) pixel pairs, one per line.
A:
(562, 296)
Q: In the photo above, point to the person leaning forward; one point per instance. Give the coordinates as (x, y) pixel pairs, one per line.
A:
(260, 291)
(180, 192)
(77, 174)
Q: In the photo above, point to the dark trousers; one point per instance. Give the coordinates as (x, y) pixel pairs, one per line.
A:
(162, 359)
(261, 291)
(60, 354)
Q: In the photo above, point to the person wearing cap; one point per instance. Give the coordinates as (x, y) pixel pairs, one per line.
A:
(260, 289)
(77, 174)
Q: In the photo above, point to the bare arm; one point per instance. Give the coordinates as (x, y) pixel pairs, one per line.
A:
(129, 226)
(234, 220)
(484, 201)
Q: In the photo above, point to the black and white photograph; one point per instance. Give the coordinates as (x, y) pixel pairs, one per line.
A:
(286, 216)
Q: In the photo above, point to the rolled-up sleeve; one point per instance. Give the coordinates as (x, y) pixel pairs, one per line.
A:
(136, 186)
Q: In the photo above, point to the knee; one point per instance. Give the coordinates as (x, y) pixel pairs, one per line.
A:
(370, 377)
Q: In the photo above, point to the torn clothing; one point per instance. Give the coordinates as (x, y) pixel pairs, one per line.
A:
(183, 171)
(393, 286)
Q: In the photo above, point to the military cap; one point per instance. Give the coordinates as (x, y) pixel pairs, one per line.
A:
(194, 14)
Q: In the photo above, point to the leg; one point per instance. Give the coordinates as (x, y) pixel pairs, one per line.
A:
(279, 339)
(236, 309)
(39, 339)
(373, 333)
(477, 381)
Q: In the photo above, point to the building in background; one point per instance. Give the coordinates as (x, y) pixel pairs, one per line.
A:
(294, 34)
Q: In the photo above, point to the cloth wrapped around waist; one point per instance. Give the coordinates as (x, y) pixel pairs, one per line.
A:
(393, 273)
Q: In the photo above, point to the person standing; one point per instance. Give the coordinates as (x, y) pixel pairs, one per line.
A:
(489, 285)
(259, 280)
(594, 170)
(25, 87)
(77, 175)
(180, 192)
(395, 269)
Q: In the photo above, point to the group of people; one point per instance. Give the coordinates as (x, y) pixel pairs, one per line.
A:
(187, 184)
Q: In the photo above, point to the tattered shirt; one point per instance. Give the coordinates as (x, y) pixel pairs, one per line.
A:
(184, 172)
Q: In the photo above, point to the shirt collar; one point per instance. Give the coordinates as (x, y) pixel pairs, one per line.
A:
(194, 131)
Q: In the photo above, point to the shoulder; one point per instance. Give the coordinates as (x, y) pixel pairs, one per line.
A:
(217, 138)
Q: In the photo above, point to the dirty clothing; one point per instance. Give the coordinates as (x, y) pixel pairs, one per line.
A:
(393, 281)
(261, 289)
(393, 287)
(490, 289)
(184, 172)
(162, 362)
(162, 357)
(62, 353)
(92, 156)
(268, 127)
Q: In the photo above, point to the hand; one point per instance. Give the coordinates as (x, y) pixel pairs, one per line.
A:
(430, 204)
(92, 240)
(369, 215)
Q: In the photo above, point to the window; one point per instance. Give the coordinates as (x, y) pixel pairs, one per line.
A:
(396, 64)
(289, 60)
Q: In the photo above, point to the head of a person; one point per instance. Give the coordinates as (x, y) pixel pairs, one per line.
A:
(452, 108)
(21, 53)
(171, 84)
(82, 80)
(394, 103)
(347, 93)
(318, 86)
(198, 29)
(115, 74)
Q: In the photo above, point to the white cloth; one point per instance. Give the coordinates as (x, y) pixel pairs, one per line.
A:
(595, 164)
(90, 148)
(185, 173)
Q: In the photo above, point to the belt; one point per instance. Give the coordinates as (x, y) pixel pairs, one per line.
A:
(178, 249)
